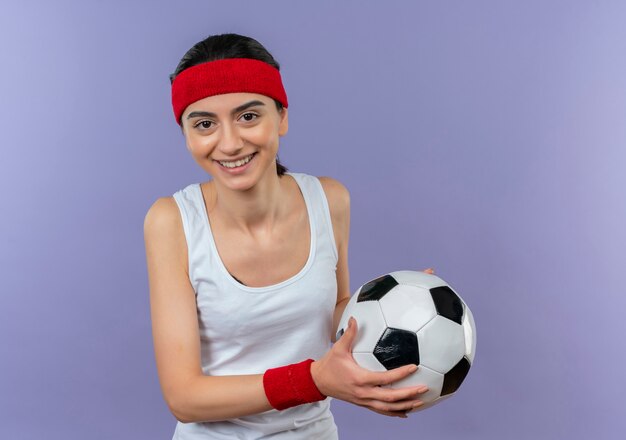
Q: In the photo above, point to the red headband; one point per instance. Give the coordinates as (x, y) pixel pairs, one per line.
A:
(232, 75)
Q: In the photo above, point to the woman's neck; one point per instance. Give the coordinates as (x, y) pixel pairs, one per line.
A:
(254, 211)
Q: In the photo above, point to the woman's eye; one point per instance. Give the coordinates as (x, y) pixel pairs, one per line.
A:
(204, 124)
(249, 117)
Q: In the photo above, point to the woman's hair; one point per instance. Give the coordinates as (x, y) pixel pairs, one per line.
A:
(219, 47)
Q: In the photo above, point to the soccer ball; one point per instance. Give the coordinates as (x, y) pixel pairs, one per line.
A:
(409, 317)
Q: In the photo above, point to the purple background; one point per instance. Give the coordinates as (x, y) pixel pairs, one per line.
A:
(484, 139)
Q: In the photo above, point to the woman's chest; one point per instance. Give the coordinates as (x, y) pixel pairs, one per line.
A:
(227, 312)
(266, 259)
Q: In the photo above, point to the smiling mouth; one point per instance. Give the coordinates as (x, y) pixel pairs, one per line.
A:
(236, 163)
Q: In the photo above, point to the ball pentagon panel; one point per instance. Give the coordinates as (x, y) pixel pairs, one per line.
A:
(453, 379)
(447, 303)
(420, 279)
(396, 348)
(374, 290)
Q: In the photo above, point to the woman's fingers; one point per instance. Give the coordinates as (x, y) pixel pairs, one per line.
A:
(394, 407)
(387, 377)
(393, 399)
(397, 394)
(430, 270)
(347, 339)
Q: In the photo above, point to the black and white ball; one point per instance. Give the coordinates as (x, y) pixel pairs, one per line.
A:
(410, 317)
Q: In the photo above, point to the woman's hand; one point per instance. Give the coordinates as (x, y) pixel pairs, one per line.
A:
(430, 270)
(338, 375)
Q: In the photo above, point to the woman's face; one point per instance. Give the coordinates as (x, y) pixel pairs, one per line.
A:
(234, 137)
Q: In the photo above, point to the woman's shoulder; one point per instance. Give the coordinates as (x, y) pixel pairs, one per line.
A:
(163, 231)
(336, 192)
(333, 187)
(166, 211)
(337, 195)
(162, 216)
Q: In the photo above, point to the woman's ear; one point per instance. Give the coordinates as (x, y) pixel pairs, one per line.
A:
(283, 126)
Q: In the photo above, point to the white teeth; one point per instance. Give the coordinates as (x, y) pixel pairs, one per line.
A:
(236, 163)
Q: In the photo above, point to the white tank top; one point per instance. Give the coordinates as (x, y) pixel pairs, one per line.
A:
(246, 330)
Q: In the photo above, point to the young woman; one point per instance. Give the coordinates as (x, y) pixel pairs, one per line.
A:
(248, 271)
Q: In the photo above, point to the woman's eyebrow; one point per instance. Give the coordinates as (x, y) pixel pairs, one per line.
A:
(246, 106)
(241, 108)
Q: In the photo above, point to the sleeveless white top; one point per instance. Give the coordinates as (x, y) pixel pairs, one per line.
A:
(246, 330)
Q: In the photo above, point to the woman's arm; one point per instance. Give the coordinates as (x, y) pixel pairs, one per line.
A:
(190, 395)
(339, 204)
(194, 397)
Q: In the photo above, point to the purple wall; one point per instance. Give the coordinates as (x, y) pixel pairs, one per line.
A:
(484, 139)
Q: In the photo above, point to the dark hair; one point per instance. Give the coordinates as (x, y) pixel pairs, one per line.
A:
(219, 47)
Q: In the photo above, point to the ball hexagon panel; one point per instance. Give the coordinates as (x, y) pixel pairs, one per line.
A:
(442, 344)
(408, 307)
(419, 279)
(368, 361)
(447, 303)
(423, 376)
(453, 379)
(396, 348)
(376, 289)
(469, 329)
(370, 326)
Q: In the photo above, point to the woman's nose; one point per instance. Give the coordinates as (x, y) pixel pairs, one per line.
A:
(230, 142)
